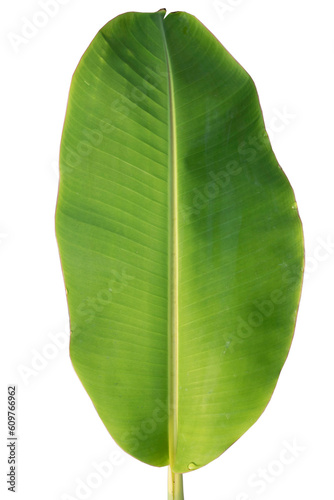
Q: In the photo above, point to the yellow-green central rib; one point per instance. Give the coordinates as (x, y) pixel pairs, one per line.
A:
(173, 267)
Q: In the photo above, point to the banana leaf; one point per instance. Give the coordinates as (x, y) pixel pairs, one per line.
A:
(180, 241)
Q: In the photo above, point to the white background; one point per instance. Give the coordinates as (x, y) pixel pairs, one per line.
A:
(287, 47)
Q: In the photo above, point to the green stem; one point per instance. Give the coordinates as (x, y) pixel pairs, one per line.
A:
(175, 485)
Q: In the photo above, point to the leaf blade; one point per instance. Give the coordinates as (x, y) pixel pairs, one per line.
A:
(118, 282)
(227, 216)
(177, 229)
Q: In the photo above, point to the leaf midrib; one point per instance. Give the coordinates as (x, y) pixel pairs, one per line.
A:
(173, 270)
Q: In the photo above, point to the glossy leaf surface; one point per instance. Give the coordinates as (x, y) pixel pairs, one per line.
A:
(180, 240)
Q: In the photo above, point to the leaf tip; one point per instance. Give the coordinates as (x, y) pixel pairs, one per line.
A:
(164, 12)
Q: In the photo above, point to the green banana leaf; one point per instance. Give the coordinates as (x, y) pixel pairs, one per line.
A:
(180, 241)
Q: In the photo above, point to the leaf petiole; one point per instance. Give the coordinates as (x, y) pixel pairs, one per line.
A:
(175, 485)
